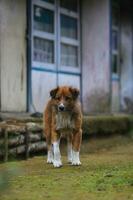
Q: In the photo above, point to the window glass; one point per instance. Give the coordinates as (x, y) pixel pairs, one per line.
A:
(115, 64)
(68, 27)
(43, 19)
(69, 55)
(115, 12)
(115, 40)
(48, 1)
(69, 4)
(115, 18)
(45, 16)
(43, 50)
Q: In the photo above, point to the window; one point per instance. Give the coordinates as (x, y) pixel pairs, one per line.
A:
(55, 34)
(43, 50)
(43, 19)
(114, 64)
(115, 38)
(115, 12)
(49, 1)
(69, 55)
(68, 27)
(69, 4)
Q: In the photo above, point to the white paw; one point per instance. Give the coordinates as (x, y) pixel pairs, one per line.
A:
(75, 158)
(76, 163)
(50, 157)
(49, 161)
(57, 163)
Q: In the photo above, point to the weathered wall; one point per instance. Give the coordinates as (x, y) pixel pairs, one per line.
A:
(126, 60)
(95, 55)
(115, 95)
(13, 55)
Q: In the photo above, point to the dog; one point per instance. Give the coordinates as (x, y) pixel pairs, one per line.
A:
(63, 115)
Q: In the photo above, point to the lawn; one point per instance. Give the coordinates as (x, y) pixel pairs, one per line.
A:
(106, 173)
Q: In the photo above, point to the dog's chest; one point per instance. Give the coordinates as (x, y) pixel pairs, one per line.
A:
(64, 121)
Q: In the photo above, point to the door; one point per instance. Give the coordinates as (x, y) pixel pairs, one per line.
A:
(55, 42)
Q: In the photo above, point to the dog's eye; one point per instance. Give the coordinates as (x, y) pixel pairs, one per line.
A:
(67, 98)
(57, 98)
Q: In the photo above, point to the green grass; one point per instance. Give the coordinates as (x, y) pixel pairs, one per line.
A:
(105, 174)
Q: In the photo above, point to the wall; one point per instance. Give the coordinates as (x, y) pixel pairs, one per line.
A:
(126, 60)
(13, 55)
(95, 56)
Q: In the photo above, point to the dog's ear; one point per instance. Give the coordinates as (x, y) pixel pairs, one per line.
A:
(75, 92)
(53, 92)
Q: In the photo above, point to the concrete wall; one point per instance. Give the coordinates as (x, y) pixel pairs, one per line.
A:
(126, 60)
(115, 96)
(95, 55)
(13, 55)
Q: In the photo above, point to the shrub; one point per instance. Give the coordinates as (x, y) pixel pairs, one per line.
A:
(106, 125)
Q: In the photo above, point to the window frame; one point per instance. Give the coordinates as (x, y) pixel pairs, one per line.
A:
(43, 35)
(70, 41)
(56, 36)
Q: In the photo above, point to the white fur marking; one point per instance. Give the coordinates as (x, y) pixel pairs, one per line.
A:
(75, 158)
(50, 157)
(57, 157)
(61, 104)
(64, 121)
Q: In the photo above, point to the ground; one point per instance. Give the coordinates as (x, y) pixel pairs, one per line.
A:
(106, 173)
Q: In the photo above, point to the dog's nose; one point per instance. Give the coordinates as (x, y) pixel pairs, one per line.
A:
(61, 107)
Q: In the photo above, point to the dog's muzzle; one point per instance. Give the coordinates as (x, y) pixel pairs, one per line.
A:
(61, 107)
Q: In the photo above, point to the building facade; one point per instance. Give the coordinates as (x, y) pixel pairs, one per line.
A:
(86, 44)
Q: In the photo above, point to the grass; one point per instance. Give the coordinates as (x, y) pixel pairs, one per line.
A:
(106, 174)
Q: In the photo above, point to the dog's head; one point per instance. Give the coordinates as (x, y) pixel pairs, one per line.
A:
(64, 97)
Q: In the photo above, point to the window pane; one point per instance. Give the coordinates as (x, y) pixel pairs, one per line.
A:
(115, 64)
(115, 40)
(69, 55)
(115, 13)
(68, 27)
(48, 1)
(43, 50)
(43, 19)
(69, 4)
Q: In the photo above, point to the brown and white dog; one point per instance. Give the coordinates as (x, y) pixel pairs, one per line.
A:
(63, 115)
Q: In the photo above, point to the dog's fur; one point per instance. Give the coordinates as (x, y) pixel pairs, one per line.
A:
(63, 115)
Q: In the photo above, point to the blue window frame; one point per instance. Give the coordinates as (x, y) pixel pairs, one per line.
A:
(56, 35)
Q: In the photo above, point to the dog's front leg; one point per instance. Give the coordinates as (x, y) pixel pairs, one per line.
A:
(56, 150)
(77, 137)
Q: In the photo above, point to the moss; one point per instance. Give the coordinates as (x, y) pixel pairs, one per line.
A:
(131, 126)
(106, 125)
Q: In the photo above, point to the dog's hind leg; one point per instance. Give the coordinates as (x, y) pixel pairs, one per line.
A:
(69, 148)
(49, 149)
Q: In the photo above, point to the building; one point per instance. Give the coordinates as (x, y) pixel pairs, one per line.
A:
(84, 43)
